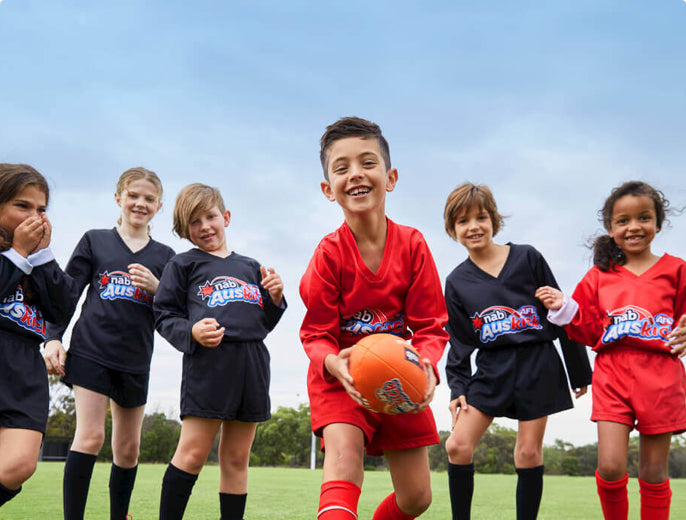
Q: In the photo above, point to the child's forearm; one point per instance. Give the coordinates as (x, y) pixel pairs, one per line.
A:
(565, 314)
(177, 331)
(318, 351)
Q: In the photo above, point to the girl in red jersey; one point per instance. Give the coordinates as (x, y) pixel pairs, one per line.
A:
(630, 306)
(33, 288)
(108, 362)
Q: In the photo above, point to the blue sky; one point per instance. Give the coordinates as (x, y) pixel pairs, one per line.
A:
(549, 103)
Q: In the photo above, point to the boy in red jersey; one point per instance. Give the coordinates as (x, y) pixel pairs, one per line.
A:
(370, 275)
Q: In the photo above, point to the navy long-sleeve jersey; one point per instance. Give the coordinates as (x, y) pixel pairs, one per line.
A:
(53, 291)
(116, 324)
(197, 285)
(24, 398)
(487, 312)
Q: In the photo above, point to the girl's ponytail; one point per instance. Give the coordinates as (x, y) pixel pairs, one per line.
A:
(606, 253)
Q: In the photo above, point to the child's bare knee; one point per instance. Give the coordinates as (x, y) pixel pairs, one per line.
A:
(611, 470)
(652, 473)
(18, 471)
(459, 450)
(416, 503)
(344, 464)
(190, 460)
(528, 455)
(347, 459)
(89, 441)
(235, 461)
(126, 453)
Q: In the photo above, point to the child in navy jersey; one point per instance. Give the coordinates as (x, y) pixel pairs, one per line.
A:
(492, 308)
(630, 307)
(32, 289)
(108, 361)
(216, 306)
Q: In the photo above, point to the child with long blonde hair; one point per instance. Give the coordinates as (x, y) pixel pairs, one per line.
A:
(108, 361)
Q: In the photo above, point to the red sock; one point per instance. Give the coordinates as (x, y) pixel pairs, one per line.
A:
(389, 510)
(338, 500)
(614, 498)
(655, 500)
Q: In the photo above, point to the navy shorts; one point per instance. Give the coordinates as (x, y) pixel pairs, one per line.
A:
(523, 382)
(24, 398)
(228, 382)
(126, 389)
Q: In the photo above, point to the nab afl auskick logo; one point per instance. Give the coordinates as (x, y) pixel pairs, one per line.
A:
(373, 321)
(493, 322)
(635, 322)
(226, 289)
(26, 316)
(117, 285)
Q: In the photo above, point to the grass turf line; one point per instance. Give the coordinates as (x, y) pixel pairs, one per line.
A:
(293, 494)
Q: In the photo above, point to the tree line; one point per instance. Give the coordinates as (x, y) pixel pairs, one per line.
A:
(285, 440)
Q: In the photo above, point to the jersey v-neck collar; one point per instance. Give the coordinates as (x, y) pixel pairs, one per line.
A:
(126, 247)
(363, 268)
(645, 274)
(503, 269)
(205, 254)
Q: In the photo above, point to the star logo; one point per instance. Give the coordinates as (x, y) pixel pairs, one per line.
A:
(104, 279)
(206, 290)
(477, 322)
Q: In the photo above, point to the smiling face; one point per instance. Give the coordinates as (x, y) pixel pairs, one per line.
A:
(206, 230)
(474, 229)
(139, 202)
(633, 225)
(358, 179)
(28, 202)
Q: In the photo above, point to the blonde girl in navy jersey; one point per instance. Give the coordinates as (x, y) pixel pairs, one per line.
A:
(32, 288)
(216, 306)
(108, 361)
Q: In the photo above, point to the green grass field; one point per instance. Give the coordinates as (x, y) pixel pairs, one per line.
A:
(279, 493)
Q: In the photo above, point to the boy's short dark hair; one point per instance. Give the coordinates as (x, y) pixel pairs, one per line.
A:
(352, 127)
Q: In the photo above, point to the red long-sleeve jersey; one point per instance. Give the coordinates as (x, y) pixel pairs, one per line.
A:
(345, 300)
(620, 307)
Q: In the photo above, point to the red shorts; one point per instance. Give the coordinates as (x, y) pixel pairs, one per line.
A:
(330, 403)
(643, 389)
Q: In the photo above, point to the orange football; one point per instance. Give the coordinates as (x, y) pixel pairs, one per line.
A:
(388, 373)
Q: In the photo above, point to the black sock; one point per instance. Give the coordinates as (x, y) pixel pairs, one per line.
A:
(529, 491)
(176, 490)
(231, 506)
(461, 485)
(77, 478)
(7, 494)
(121, 486)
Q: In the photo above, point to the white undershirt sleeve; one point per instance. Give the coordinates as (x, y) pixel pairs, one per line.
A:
(565, 314)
